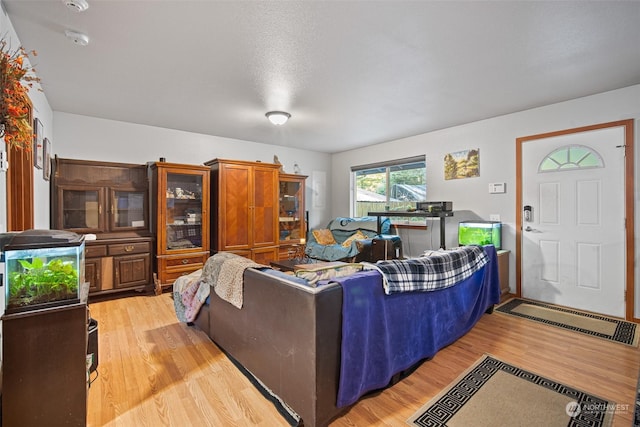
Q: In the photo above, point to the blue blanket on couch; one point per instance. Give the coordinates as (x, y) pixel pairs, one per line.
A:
(383, 335)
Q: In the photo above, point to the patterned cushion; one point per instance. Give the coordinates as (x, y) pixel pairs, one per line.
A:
(358, 235)
(314, 275)
(324, 236)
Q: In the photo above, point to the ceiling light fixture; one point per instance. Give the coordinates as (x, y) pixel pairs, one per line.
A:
(278, 117)
(76, 5)
(81, 39)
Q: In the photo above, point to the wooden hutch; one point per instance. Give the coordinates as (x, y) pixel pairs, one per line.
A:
(111, 202)
(180, 217)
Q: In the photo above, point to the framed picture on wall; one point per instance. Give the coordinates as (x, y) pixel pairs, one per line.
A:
(38, 143)
(46, 168)
(462, 164)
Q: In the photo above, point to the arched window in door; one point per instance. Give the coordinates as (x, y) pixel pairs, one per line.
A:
(571, 157)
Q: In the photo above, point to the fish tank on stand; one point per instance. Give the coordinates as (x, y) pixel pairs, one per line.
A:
(44, 330)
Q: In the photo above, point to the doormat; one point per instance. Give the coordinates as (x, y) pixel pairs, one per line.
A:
(495, 393)
(609, 328)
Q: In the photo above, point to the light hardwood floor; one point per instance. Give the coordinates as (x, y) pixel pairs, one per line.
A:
(154, 371)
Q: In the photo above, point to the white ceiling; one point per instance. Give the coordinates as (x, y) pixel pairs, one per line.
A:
(351, 73)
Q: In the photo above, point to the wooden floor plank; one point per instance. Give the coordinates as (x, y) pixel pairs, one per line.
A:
(155, 371)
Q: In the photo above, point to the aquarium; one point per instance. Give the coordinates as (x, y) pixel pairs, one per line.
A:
(43, 268)
(480, 233)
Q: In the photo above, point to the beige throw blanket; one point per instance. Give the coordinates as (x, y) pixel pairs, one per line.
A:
(224, 272)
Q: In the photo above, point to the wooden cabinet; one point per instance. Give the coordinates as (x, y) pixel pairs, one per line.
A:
(115, 265)
(93, 272)
(180, 218)
(110, 200)
(244, 201)
(99, 197)
(291, 215)
(44, 365)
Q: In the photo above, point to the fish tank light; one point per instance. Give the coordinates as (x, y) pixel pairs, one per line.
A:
(480, 233)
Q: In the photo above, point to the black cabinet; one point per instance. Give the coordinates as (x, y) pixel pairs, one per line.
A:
(44, 367)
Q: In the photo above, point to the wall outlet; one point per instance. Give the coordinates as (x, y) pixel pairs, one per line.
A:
(494, 217)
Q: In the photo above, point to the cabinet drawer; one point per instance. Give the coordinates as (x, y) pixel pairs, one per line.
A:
(184, 261)
(95, 251)
(168, 277)
(129, 248)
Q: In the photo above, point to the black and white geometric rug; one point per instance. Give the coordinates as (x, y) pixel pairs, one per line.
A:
(495, 393)
(609, 328)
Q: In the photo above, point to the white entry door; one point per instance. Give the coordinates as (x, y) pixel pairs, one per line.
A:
(573, 234)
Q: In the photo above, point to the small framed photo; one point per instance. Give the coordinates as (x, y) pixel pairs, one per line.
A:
(38, 144)
(46, 169)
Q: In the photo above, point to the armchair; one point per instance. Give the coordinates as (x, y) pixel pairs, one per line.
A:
(345, 239)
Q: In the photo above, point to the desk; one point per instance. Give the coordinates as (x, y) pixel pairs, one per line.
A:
(421, 214)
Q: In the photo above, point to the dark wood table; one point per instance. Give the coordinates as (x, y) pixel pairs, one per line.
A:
(296, 264)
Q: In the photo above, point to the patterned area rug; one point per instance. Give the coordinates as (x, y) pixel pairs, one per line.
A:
(609, 328)
(495, 393)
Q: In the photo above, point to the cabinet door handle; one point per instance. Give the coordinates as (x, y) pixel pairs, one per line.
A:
(185, 261)
(100, 209)
(129, 248)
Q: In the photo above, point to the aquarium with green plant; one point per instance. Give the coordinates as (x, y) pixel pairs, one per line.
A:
(480, 233)
(42, 277)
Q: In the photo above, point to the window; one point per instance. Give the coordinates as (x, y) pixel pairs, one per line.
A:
(571, 157)
(394, 185)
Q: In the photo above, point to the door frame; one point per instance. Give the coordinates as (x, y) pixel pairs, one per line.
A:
(628, 202)
(19, 185)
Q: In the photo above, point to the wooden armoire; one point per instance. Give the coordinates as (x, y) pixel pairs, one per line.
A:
(244, 208)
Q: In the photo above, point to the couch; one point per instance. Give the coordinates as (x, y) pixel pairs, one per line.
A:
(294, 337)
(345, 239)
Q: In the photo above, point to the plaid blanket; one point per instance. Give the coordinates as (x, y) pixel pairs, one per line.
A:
(429, 273)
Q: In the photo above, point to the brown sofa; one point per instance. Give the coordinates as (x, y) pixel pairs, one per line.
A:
(294, 350)
(289, 335)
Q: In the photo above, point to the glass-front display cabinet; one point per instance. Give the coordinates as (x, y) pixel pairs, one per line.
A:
(81, 209)
(128, 209)
(291, 217)
(109, 203)
(87, 210)
(181, 203)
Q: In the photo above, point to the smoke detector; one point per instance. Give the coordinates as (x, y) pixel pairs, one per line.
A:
(76, 5)
(81, 39)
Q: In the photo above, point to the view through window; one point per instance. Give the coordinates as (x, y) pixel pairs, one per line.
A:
(395, 185)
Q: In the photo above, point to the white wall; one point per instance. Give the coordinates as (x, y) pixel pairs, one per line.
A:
(42, 111)
(496, 139)
(90, 138)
